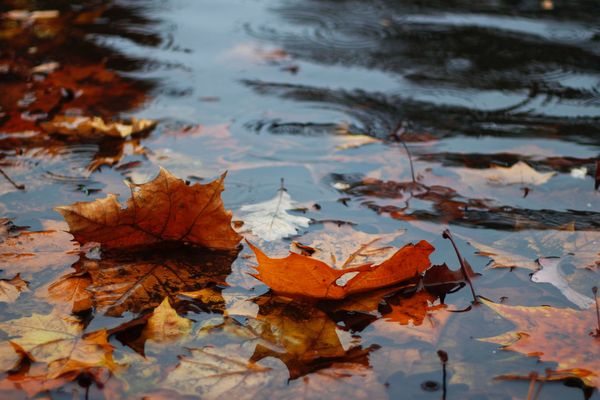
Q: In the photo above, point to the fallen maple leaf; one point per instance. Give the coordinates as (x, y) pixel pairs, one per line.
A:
(10, 289)
(58, 341)
(270, 220)
(163, 210)
(304, 276)
(519, 173)
(304, 337)
(553, 334)
(343, 247)
(95, 126)
(31, 252)
(69, 293)
(212, 373)
(165, 325)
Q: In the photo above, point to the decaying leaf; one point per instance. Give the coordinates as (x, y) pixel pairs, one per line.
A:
(165, 325)
(304, 276)
(582, 248)
(69, 293)
(553, 334)
(305, 338)
(342, 247)
(270, 220)
(519, 173)
(59, 341)
(420, 316)
(10, 289)
(163, 210)
(136, 282)
(31, 252)
(95, 126)
(551, 272)
(212, 373)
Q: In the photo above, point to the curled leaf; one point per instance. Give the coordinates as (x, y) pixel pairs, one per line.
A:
(299, 275)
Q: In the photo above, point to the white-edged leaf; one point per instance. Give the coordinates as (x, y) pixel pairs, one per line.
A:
(270, 220)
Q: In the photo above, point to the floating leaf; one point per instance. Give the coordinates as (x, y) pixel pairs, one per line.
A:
(163, 210)
(551, 272)
(518, 173)
(59, 341)
(31, 252)
(270, 220)
(95, 126)
(299, 275)
(559, 335)
(10, 289)
(165, 325)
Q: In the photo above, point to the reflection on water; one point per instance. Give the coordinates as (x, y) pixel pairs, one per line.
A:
(447, 93)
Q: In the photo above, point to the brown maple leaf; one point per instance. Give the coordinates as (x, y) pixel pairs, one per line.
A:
(299, 275)
(163, 210)
(559, 335)
(69, 293)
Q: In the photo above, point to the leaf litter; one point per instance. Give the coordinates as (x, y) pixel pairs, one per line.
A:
(154, 275)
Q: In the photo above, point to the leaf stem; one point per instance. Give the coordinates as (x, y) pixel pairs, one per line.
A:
(398, 132)
(595, 291)
(16, 185)
(447, 235)
(444, 359)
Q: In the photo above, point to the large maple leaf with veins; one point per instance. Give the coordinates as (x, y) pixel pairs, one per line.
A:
(163, 210)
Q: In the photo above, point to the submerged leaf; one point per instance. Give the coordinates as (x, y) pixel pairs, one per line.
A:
(270, 220)
(10, 289)
(165, 325)
(550, 272)
(519, 173)
(553, 334)
(163, 210)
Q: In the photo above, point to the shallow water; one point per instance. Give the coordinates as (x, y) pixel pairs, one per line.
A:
(270, 89)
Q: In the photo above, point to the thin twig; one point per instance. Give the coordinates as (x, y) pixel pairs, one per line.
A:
(400, 128)
(532, 383)
(447, 235)
(595, 291)
(16, 185)
(444, 359)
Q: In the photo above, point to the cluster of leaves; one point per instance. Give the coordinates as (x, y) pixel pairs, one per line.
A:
(174, 244)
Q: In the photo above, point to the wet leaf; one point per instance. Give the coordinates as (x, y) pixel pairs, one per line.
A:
(304, 337)
(305, 276)
(95, 126)
(31, 252)
(270, 220)
(212, 373)
(11, 289)
(59, 341)
(417, 317)
(551, 272)
(518, 173)
(343, 247)
(136, 282)
(163, 210)
(165, 325)
(559, 335)
(69, 293)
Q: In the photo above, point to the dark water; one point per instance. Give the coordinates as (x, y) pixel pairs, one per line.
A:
(276, 85)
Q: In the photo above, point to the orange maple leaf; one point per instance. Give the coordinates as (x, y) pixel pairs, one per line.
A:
(299, 275)
(553, 334)
(163, 210)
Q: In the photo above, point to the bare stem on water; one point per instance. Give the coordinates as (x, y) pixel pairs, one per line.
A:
(447, 235)
(595, 291)
(16, 185)
(444, 360)
(398, 132)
